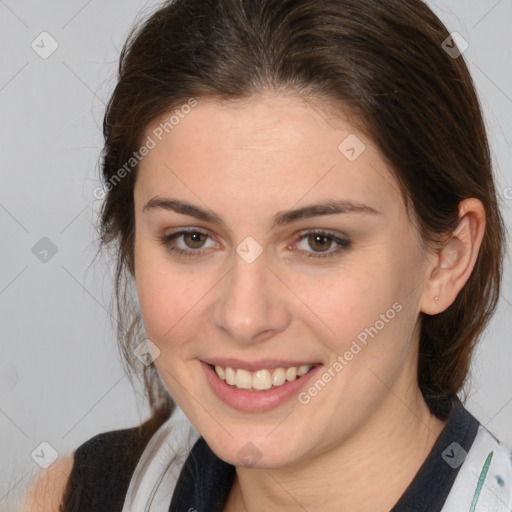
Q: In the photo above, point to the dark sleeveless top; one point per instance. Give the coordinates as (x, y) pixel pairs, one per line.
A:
(104, 466)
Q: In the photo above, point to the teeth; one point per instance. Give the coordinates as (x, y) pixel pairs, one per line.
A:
(243, 379)
(261, 380)
(291, 373)
(302, 370)
(278, 377)
(220, 372)
(230, 375)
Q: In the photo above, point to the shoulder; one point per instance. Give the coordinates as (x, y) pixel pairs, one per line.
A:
(484, 477)
(46, 491)
(86, 476)
(111, 443)
(96, 474)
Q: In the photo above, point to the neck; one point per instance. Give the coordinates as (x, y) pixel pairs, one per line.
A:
(367, 472)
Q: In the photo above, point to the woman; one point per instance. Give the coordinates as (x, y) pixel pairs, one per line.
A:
(301, 193)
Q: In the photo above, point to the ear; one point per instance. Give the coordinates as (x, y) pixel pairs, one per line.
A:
(456, 259)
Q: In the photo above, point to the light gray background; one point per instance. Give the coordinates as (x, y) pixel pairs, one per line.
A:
(60, 376)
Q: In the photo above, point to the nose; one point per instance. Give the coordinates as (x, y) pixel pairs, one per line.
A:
(251, 305)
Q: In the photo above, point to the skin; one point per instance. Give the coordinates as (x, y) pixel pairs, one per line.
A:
(247, 162)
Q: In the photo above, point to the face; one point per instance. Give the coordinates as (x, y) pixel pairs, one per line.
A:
(266, 241)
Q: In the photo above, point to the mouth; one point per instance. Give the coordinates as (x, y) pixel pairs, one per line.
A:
(258, 386)
(261, 380)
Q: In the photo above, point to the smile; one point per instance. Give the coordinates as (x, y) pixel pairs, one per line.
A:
(257, 390)
(260, 380)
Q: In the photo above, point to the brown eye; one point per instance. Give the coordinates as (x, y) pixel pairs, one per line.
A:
(319, 242)
(190, 242)
(193, 239)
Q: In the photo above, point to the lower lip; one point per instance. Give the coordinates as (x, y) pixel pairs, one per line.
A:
(255, 401)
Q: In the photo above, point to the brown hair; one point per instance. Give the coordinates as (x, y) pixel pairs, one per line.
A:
(382, 60)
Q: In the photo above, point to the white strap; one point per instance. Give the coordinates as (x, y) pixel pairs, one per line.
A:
(159, 467)
(481, 487)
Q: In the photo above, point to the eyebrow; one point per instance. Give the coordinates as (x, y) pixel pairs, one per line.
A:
(329, 207)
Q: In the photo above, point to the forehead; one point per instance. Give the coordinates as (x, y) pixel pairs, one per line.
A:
(276, 149)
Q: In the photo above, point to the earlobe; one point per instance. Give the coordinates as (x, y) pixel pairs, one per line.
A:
(455, 259)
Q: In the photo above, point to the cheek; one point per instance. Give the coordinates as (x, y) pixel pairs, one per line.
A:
(363, 306)
(168, 296)
(345, 299)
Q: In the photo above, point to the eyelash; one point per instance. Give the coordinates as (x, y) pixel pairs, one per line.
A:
(342, 243)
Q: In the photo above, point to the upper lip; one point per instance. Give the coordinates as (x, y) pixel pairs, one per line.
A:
(255, 365)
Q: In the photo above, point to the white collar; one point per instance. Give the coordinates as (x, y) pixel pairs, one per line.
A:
(159, 467)
(481, 487)
(155, 476)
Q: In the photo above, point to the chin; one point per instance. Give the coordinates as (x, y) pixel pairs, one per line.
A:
(252, 452)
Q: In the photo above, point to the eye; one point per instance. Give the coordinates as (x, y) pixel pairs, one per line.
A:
(191, 243)
(321, 242)
(186, 242)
